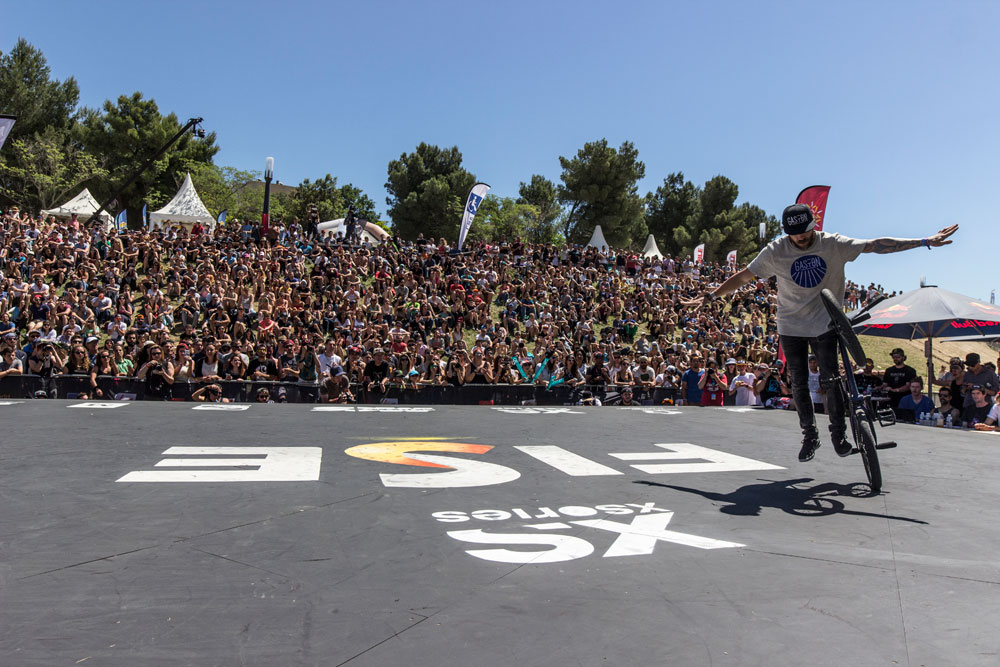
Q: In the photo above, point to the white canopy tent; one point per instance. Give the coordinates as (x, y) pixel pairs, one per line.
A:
(651, 249)
(83, 205)
(186, 208)
(597, 240)
(371, 234)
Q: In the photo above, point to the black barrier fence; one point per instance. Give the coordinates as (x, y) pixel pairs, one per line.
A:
(119, 388)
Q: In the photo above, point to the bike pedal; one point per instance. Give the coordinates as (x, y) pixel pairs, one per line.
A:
(854, 450)
(885, 445)
(886, 418)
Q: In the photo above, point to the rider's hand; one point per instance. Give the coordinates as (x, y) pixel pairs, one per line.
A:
(697, 302)
(940, 238)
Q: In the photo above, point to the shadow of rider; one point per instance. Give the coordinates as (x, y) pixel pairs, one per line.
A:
(790, 496)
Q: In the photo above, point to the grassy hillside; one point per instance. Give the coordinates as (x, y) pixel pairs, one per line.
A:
(878, 349)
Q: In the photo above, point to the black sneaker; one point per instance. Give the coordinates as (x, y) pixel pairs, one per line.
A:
(842, 446)
(809, 447)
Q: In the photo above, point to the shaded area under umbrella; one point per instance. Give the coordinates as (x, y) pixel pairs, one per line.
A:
(931, 312)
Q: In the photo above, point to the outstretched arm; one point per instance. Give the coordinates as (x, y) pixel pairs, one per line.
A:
(733, 283)
(886, 245)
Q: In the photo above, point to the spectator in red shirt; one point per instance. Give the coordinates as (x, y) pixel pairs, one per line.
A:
(713, 384)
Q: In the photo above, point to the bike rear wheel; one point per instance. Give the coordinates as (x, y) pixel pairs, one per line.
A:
(866, 447)
(843, 327)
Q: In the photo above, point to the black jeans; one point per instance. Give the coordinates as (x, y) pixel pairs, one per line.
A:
(796, 350)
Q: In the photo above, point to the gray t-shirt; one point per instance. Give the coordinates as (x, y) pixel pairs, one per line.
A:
(802, 274)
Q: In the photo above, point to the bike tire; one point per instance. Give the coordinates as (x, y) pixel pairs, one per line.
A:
(839, 321)
(869, 455)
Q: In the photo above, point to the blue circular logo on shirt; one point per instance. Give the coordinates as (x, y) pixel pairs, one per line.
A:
(808, 271)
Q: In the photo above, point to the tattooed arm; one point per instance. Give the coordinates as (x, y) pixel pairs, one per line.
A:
(886, 245)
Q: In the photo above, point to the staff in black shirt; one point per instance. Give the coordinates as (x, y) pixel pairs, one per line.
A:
(896, 379)
(377, 372)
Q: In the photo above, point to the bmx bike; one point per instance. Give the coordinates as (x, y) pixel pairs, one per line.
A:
(861, 411)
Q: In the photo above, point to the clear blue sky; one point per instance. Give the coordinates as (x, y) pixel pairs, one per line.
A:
(893, 103)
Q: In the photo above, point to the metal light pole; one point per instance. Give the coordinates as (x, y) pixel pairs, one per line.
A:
(264, 217)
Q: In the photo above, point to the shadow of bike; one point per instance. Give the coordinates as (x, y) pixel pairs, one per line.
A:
(791, 496)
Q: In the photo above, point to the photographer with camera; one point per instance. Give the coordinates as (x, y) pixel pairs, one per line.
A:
(376, 373)
(312, 221)
(712, 384)
(209, 393)
(46, 361)
(769, 384)
(157, 374)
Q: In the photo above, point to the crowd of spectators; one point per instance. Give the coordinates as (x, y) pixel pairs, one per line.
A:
(209, 307)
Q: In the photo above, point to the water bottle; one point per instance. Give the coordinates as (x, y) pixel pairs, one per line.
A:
(947, 421)
(923, 419)
(940, 419)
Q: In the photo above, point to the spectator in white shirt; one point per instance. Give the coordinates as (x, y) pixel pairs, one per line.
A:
(742, 385)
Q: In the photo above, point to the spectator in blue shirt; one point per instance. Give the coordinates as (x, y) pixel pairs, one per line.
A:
(915, 403)
(689, 383)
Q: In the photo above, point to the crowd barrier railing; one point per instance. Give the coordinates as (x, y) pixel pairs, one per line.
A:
(240, 391)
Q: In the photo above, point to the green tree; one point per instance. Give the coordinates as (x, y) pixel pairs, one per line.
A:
(48, 170)
(427, 190)
(544, 196)
(710, 216)
(331, 200)
(28, 92)
(669, 208)
(600, 187)
(127, 133)
(224, 188)
(500, 219)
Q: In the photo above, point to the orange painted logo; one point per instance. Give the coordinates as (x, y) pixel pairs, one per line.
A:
(395, 451)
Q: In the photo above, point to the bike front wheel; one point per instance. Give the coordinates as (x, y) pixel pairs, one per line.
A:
(869, 455)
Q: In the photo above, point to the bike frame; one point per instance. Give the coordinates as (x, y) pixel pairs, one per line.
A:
(853, 399)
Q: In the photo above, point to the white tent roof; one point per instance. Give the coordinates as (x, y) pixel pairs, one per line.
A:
(597, 240)
(371, 233)
(83, 205)
(186, 207)
(651, 250)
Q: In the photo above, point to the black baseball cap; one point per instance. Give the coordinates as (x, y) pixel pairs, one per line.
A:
(797, 219)
(898, 351)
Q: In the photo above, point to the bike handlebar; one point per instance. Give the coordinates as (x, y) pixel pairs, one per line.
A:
(863, 314)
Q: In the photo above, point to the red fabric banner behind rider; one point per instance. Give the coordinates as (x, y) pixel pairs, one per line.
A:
(815, 198)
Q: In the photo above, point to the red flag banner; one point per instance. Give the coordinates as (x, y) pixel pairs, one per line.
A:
(815, 198)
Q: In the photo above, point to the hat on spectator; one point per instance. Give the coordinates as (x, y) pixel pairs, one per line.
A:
(899, 351)
(779, 363)
(972, 359)
(336, 370)
(92, 339)
(10, 334)
(730, 360)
